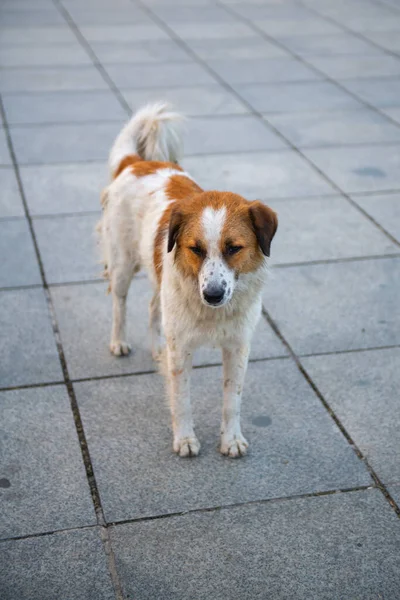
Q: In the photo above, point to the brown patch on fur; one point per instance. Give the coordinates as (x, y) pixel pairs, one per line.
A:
(179, 189)
(148, 167)
(127, 161)
(240, 229)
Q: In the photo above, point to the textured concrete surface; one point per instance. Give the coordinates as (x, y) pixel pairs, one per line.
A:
(295, 103)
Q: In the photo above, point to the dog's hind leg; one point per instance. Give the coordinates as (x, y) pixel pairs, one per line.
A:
(120, 280)
(157, 338)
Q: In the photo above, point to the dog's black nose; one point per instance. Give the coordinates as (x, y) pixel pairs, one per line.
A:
(213, 295)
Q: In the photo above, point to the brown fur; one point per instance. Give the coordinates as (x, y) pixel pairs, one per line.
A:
(149, 167)
(239, 230)
(128, 161)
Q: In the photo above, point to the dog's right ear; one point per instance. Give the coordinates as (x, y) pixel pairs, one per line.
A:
(175, 224)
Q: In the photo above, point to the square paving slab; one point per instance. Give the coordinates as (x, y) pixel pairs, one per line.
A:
(361, 169)
(324, 229)
(159, 75)
(295, 446)
(70, 565)
(19, 265)
(84, 317)
(44, 485)
(298, 96)
(361, 389)
(81, 142)
(341, 546)
(385, 209)
(210, 100)
(49, 79)
(306, 130)
(63, 189)
(262, 71)
(336, 307)
(258, 175)
(28, 352)
(68, 248)
(61, 107)
(229, 134)
(10, 200)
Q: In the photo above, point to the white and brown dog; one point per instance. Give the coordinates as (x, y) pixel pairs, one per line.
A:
(205, 254)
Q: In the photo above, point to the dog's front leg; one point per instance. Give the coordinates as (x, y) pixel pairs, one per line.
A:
(178, 373)
(235, 360)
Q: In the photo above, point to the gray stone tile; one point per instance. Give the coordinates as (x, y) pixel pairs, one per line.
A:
(363, 169)
(361, 67)
(338, 306)
(394, 490)
(300, 451)
(57, 34)
(259, 175)
(5, 158)
(28, 351)
(284, 27)
(153, 51)
(385, 209)
(69, 565)
(60, 107)
(362, 126)
(362, 389)
(192, 101)
(365, 23)
(43, 468)
(84, 316)
(10, 200)
(67, 246)
(236, 48)
(328, 45)
(262, 71)
(212, 30)
(292, 97)
(63, 189)
(84, 15)
(123, 33)
(377, 93)
(172, 13)
(49, 79)
(80, 142)
(31, 18)
(13, 5)
(259, 11)
(339, 546)
(159, 75)
(18, 265)
(386, 39)
(324, 229)
(47, 56)
(229, 134)
(393, 113)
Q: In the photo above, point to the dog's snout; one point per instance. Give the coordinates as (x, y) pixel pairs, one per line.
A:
(213, 295)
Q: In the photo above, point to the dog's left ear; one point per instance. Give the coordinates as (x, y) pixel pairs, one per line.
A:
(265, 223)
(175, 224)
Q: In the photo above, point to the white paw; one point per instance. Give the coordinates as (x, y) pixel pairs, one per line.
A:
(234, 446)
(187, 446)
(120, 348)
(157, 352)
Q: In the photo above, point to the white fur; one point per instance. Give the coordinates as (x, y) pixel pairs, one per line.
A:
(179, 316)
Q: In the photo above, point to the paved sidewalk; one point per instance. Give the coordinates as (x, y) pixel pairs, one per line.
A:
(295, 103)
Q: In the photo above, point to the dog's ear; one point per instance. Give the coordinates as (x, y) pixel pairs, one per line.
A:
(175, 224)
(265, 223)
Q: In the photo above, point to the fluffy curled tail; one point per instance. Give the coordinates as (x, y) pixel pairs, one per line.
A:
(153, 133)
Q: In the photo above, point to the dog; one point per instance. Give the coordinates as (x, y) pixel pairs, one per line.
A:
(206, 255)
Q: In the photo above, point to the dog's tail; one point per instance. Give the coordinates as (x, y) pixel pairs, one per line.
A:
(153, 133)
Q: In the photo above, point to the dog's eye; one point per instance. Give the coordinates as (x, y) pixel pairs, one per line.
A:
(233, 249)
(197, 250)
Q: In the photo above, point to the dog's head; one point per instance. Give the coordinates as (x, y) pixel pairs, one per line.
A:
(217, 236)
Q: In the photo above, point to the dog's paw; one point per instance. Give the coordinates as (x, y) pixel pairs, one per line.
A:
(120, 348)
(235, 446)
(157, 352)
(187, 446)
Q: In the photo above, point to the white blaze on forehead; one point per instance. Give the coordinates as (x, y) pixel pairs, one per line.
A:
(213, 222)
